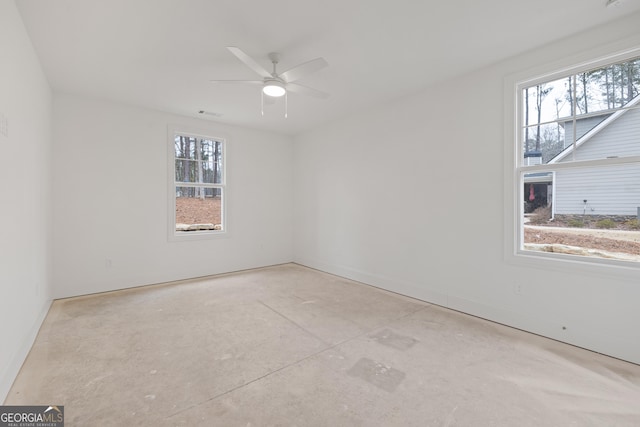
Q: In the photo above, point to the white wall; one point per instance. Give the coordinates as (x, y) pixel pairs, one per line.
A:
(25, 226)
(409, 197)
(110, 199)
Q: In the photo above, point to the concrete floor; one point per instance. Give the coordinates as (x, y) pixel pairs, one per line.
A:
(290, 346)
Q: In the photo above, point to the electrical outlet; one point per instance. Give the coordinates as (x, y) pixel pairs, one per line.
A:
(517, 289)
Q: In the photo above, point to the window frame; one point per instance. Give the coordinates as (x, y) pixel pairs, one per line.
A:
(514, 253)
(172, 234)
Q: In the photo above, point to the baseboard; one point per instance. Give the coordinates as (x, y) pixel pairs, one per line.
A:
(11, 372)
(390, 284)
(544, 326)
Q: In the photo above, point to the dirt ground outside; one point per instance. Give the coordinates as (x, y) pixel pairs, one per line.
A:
(192, 210)
(614, 241)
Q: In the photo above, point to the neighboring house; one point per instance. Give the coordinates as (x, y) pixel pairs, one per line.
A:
(602, 190)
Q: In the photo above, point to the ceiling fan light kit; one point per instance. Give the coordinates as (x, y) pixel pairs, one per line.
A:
(273, 88)
(274, 84)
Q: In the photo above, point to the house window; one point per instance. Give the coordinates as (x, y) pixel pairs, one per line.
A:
(577, 163)
(197, 187)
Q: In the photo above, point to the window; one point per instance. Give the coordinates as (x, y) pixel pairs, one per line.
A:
(577, 163)
(197, 187)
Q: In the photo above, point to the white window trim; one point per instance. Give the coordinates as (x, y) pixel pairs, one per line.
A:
(172, 234)
(513, 211)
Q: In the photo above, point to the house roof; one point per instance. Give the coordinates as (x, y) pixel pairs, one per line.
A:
(538, 177)
(596, 129)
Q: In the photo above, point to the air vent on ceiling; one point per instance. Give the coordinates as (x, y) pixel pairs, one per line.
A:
(614, 3)
(210, 113)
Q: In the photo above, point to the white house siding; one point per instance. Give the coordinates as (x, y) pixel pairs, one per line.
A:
(610, 190)
(582, 127)
(620, 138)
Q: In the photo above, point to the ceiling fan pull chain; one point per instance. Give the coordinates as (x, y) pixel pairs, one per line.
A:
(262, 103)
(286, 105)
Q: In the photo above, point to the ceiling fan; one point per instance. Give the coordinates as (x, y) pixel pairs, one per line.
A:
(274, 84)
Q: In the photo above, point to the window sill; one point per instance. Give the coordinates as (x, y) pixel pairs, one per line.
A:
(574, 264)
(186, 236)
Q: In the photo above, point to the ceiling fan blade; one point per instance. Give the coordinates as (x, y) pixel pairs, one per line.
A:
(305, 90)
(251, 82)
(268, 100)
(302, 70)
(249, 62)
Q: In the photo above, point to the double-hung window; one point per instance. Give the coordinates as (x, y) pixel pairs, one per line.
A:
(198, 191)
(577, 163)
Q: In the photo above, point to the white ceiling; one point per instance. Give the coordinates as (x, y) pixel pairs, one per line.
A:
(161, 54)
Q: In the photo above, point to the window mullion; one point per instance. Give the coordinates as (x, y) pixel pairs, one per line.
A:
(574, 119)
(198, 184)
